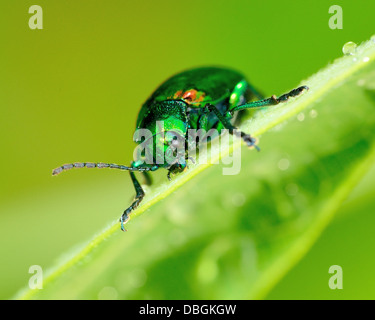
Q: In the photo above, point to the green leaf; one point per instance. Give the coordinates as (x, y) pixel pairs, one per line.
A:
(234, 236)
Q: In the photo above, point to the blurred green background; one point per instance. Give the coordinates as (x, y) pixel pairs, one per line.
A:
(72, 91)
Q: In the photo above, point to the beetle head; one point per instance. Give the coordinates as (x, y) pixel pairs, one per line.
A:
(167, 123)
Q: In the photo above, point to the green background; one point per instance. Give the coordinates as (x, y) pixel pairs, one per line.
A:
(72, 91)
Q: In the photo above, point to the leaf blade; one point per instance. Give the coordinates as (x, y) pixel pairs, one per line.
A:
(322, 84)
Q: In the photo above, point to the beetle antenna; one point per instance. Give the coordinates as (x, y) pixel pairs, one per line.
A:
(69, 166)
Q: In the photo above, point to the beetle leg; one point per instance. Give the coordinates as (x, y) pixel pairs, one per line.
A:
(169, 175)
(170, 170)
(147, 176)
(273, 100)
(203, 119)
(250, 141)
(137, 200)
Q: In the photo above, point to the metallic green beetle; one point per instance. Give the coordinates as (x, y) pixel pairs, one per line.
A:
(203, 98)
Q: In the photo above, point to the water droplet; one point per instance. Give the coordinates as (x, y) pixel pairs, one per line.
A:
(301, 116)
(137, 278)
(238, 199)
(278, 127)
(291, 189)
(177, 237)
(313, 113)
(108, 293)
(349, 48)
(130, 279)
(366, 59)
(283, 164)
(177, 215)
(361, 82)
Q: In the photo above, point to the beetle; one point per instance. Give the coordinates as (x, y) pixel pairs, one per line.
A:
(201, 98)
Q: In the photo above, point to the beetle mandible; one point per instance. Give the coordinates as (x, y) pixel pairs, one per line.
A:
(202, 98)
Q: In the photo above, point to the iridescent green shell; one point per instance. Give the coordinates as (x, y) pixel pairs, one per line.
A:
(196, 87)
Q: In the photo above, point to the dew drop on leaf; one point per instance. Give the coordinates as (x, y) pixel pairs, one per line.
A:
(301, 116)
(349, 48)
(313, 113)
(283, 164)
